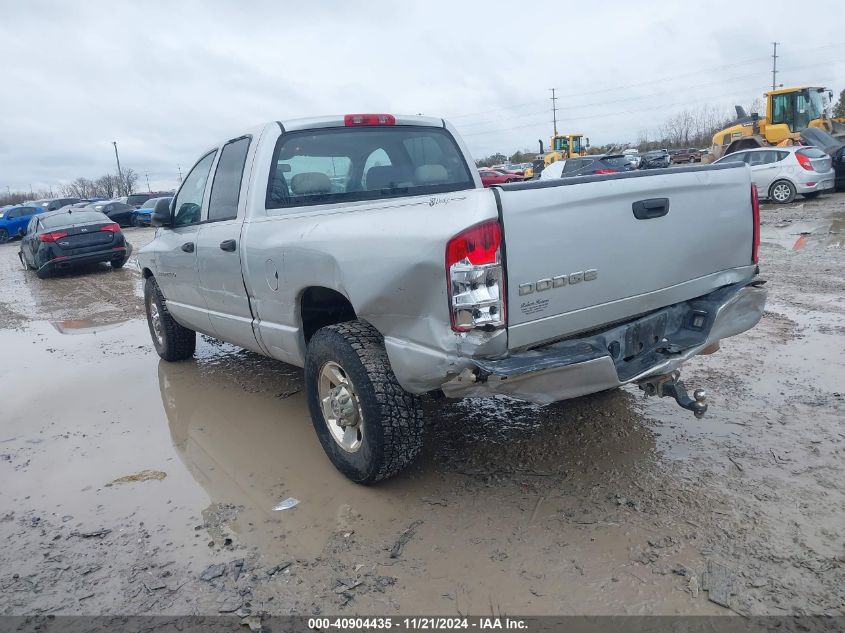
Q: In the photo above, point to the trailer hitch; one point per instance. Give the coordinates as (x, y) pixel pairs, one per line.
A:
(670, 385)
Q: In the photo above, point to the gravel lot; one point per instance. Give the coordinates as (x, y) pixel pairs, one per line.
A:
(608, 504)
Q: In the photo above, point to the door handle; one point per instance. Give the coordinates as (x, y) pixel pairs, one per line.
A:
(228, 245)
(652, 208)
(188, 247)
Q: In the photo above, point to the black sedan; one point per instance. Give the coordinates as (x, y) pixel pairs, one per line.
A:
(117, 211)
(656, 159)
(61, 239)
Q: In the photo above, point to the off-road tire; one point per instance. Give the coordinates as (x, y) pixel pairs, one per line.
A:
(177, 342)
(393, 420)
(778, 183)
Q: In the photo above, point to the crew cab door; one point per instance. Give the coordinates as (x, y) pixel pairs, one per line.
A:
(176, 251)
(219, 248)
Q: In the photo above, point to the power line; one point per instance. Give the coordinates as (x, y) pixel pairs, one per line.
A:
(618, 112)
(664, 79)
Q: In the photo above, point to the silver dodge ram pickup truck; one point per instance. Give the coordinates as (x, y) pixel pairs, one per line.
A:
(365, 249)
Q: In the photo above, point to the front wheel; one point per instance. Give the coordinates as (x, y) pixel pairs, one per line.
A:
(4, 236)
(171, 341)
(134, 221)
(369, 426)
(782, 192)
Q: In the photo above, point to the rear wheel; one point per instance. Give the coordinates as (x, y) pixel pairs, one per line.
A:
(369, 426)
(119, 263)
(782, 192)
(134, 221)
(171, 341)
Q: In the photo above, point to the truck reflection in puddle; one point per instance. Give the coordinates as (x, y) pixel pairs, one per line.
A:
(252, 450)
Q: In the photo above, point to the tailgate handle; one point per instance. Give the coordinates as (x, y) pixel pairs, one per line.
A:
(228, 245)
(652, 208)
(188, 247)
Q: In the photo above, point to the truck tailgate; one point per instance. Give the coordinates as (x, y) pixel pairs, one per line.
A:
(586, 252)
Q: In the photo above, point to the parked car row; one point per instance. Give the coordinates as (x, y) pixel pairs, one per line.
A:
(61, 232)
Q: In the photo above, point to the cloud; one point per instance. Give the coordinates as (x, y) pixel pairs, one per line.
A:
(166, 80)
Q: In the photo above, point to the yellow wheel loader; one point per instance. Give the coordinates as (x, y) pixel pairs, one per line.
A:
(788, 112)
(563, 146)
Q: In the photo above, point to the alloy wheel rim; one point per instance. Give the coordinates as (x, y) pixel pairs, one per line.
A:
(781, 192)
(155, 320)
(341, 407)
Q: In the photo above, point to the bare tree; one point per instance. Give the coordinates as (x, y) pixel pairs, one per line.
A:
(107, 185)
(129, 182)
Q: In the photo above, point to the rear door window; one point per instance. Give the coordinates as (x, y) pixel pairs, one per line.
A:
(226, 187)
(351, 164)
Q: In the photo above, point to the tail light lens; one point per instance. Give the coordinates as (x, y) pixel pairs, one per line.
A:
(606, 171)
(369, 119)
(52, 237)
(804, 161)
(755, 214)
(475, 278)
(111, 228)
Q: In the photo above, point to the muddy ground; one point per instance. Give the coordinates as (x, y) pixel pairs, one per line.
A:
(608, 504)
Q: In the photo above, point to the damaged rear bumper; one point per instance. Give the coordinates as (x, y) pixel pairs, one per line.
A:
(655, 344)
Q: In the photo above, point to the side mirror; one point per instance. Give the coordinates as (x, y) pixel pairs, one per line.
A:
(162, 214)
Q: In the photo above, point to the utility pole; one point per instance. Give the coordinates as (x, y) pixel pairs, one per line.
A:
(179, 167)
(775, 65)
(147, 176)
(30, 190)
(119, 172)
(554, 110)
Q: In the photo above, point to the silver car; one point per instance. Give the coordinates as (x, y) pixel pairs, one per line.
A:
(781, 173)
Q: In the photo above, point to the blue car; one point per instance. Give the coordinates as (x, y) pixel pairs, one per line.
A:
(13, 220)
(143, 214)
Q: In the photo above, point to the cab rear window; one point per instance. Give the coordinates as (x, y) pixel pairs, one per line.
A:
(352, 164)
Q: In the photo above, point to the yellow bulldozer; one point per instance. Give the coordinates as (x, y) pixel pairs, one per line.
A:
(563, 146)
(789, 111)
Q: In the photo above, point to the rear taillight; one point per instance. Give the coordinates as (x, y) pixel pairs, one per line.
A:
(605, 171)
(755, 214)
(369, 119)
(475, 278)
(52, 237)
(804, 161)
(111, 228)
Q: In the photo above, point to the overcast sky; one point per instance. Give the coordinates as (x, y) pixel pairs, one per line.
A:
(168, 79)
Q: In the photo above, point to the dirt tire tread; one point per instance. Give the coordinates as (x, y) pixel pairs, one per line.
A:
(180, 342)
(400, 413)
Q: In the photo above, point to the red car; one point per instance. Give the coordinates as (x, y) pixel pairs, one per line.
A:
(490, 177)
